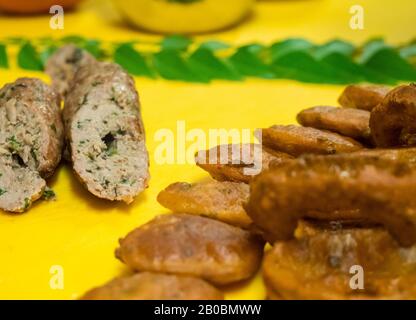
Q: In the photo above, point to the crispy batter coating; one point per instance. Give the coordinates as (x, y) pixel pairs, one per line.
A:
(222, 201)
(393, 121)
(382, 190)
(194, 246)
(296, 140)
(407, 155)
(317, 265)
(230, 162)
(155, 286)
(365, 97)
(349, 122)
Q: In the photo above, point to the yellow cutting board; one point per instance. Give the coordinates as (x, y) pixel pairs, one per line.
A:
(77, 234)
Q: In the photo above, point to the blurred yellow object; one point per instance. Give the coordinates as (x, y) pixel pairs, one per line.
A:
(33, 6)
(184, 16)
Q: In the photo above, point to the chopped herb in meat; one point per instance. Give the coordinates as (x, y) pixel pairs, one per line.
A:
(48, 194)
(14, 145)
(27, 204)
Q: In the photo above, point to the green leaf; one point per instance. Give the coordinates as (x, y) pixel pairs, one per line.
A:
(203, 61)
(334, 46)
(132, 61)
(248, 63)
(28, 58)
(302, 66)
(4, 61)
(214, 45)
(353, 72)
(171, 65)
(284, 47)
(371, 48)
(176, 42)
(388, 61)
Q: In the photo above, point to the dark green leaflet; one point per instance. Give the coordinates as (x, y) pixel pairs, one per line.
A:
(175, 42)
(179, 58)
(203, 61)
(4, 61)
(132, 61)
(248, 62)
(28, 58)
(172, 66)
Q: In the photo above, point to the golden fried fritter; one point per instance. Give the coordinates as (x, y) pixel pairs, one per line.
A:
(325, 187)
(349, 122)
(296, 140)
(393, 121)
(194, 246)
(320, 265)
(216, 200)
(365, 97)
(155, 286)
(236, 162)
(406, 155)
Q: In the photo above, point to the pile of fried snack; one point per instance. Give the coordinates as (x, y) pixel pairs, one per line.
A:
(335, 195)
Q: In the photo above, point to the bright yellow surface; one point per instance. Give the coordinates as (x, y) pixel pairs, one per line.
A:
(79, 232)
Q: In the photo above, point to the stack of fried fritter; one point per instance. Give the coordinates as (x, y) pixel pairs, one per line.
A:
(335, 197)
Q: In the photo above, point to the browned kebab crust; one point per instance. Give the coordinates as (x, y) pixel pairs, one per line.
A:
(155, 286)
(363, 96)
(318, 263)
(63, 65)
(193, 246)
(353, 123)
(297, 140)
(42, 101)
(324, 187)
(230, 162)
(393, 121)
(109, 86)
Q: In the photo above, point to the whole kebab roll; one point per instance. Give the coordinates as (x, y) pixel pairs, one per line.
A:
(105, 132)
(31, 141)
